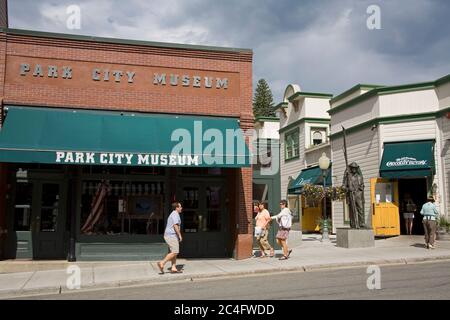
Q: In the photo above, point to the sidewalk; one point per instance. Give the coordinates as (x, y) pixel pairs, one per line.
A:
(51, 277)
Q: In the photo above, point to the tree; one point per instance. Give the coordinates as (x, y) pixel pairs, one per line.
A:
(263, 100)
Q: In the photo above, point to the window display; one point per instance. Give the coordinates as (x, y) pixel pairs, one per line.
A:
(122, 207)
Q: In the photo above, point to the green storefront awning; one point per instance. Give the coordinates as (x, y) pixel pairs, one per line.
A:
(68, 136)
(311, 175)
(408, 159)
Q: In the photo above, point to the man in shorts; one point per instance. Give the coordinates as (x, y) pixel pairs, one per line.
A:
(172, 236)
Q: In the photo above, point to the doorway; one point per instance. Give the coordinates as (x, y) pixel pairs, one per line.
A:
(203, 221)
(39, 219)
(417, 189)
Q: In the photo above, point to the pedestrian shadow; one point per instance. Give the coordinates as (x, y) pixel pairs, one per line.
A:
(418, 245)
(180, 267)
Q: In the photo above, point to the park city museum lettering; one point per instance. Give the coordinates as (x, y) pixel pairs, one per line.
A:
(88, 74)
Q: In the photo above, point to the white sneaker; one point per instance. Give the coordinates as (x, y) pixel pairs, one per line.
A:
(431, 247)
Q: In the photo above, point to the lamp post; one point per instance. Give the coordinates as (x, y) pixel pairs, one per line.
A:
(324, 164)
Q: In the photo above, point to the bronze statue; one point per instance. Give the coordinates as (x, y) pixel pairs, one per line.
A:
(354, 189)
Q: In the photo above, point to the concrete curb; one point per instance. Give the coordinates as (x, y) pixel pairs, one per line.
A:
(23, 293)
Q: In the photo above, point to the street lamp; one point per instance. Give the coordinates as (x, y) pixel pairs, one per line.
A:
(324, 164)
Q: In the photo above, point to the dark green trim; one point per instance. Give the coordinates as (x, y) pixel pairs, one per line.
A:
(120, 41)
(281, 105)
(311, 120)
(317, 120)
(267, 119)
(443, 80)
(406, 88)
(384, 91)
(391, 120)
(310, 95)
(352, 90)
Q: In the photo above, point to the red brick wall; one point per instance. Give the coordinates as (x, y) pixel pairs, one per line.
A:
(59, 93)
(95, 96)
(2, 72)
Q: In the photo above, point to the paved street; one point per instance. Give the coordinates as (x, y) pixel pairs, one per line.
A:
(418, 281)
(26, 278)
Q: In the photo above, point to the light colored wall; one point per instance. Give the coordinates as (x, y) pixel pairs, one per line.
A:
(362, 147)
(312, 156)
(267, 129)
(316, 108)
(354, 115)
(291, 168)
(444, 153)
(348, 98)
(408, 102)
(443, 94)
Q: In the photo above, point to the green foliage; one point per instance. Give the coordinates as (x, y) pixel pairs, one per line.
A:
(263, 100)
(444, 223)
(316, 193)
(321, 221)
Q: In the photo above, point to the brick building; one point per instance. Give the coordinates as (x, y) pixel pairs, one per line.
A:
(87, 162)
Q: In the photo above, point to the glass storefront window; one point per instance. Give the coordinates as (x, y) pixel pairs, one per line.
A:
(121, 207)
(49, 207)
(384, 192)
(191, 215)
(293, 204)
(22, 206)
(213, 195)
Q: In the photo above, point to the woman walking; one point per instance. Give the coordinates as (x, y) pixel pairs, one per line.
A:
(284, 220)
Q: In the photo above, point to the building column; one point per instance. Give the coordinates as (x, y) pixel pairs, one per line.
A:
(3, 193)
(244, 197)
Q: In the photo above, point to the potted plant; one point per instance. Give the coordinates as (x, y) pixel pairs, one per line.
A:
(443, 229)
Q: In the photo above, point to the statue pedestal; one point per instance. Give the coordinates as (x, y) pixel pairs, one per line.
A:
(354, 238)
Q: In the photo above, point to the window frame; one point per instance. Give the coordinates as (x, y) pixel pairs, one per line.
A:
(322, 130)
(292, 140)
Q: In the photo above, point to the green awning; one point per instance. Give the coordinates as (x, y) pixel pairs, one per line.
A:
(68, 136)
(311, 175)
(408, 159)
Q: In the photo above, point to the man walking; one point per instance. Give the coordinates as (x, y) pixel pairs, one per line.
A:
(430, 214)
(172, 236)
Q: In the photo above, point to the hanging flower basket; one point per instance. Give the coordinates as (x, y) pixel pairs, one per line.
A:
(316, 193)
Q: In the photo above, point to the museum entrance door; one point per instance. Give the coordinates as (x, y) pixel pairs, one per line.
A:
(203, 221)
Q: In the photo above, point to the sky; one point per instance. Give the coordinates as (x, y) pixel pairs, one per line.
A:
(322, 45)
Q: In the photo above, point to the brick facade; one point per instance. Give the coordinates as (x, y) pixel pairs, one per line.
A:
(85, 53)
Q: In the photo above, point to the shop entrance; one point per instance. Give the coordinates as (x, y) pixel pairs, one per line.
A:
(417, 189)
(203, 222)
(39, 217)
(385, 207)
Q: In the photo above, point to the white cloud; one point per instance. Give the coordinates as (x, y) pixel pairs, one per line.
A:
(322, 45)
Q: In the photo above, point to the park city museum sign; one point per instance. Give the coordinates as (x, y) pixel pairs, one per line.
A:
(25, 70)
